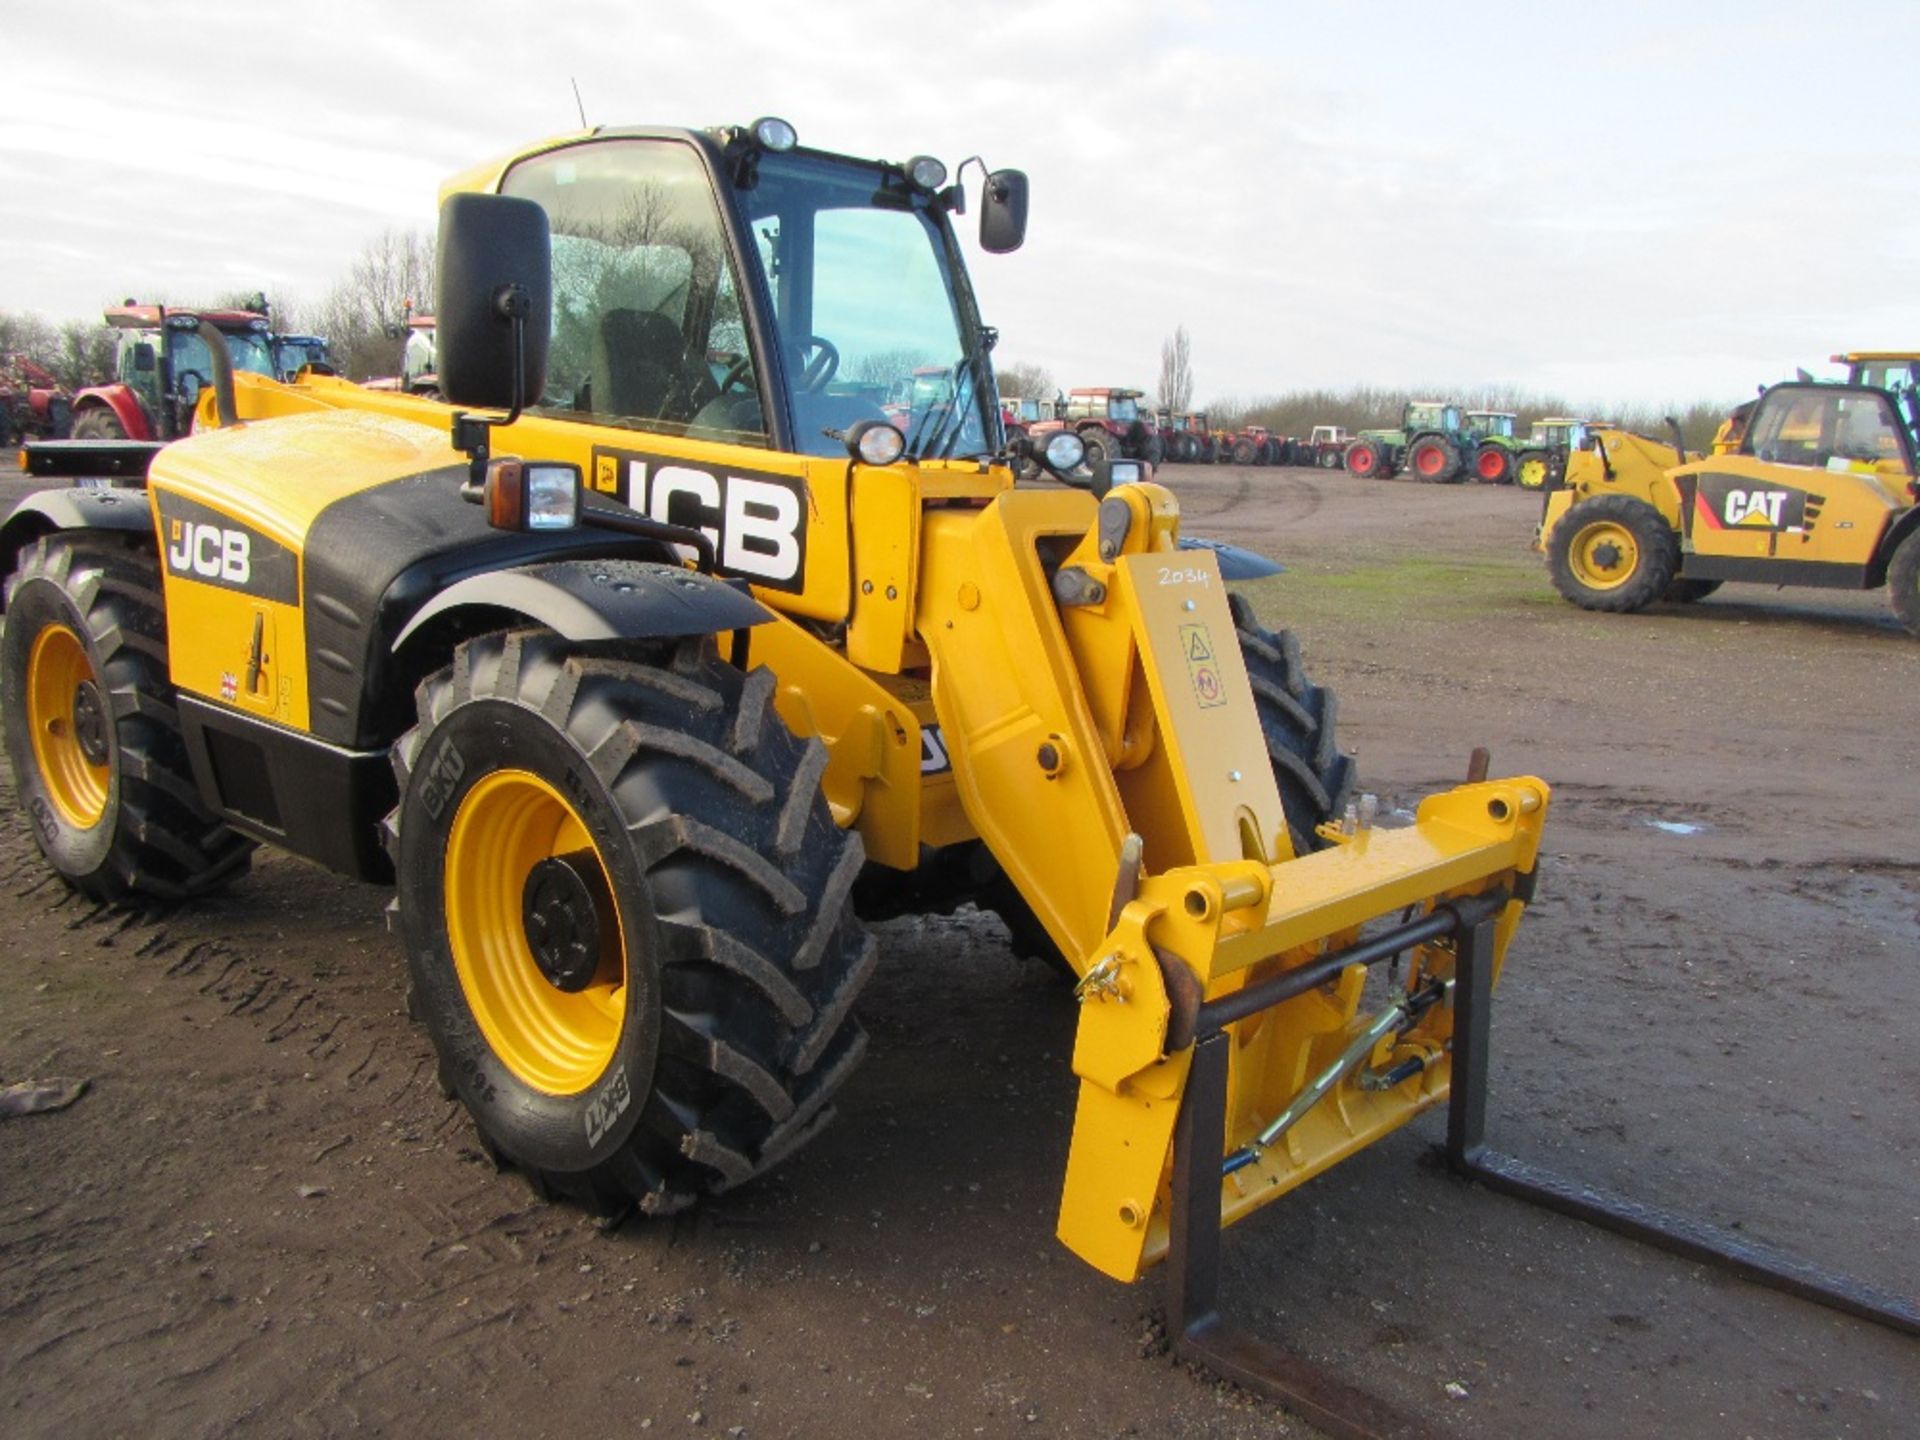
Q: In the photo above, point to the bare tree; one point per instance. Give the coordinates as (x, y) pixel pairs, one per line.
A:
(1176, 371)
(1025, 381)
(364, 316)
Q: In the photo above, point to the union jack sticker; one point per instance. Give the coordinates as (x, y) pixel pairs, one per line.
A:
(229, 686)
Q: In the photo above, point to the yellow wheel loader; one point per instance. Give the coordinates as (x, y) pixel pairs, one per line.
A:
(1816, 487)
(644, 692)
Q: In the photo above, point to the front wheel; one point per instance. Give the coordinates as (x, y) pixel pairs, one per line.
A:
(93, 731)
(1612, 553)
(1329, 459)
(1101, 444)
(1530, 470)
(625, 907)
(1434, 460)
(1493, 465)
(1367, 459)
(1903, 583)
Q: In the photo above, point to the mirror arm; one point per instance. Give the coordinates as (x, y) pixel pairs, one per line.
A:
(469, 432)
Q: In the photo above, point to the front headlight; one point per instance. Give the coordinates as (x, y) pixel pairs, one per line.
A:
(1063, 450)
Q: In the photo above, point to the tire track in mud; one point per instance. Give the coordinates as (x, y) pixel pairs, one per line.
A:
(1283, 497)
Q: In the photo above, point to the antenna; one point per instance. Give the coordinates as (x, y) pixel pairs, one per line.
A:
(578, 101)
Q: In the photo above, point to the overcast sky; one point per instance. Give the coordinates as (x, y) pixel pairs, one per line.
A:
(1617, 202)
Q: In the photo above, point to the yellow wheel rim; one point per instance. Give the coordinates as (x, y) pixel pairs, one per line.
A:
(1531, 475)
(66, 715)
(557, 1040)
(1604, 555)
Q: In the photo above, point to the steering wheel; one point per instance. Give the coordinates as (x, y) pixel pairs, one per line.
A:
(735, 372)
(189, 384)
(825, 364)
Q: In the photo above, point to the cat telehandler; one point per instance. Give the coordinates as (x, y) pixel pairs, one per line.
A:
(646, 692)
(1814, 483)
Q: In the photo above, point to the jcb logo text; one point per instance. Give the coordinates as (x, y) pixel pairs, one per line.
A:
(210, 552)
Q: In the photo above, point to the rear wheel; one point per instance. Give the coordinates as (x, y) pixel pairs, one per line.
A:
(97, 422)
(93, 732)
(1903, 583)
(1530, 469)
(626, 913)
(1612, 553)
(1101, 444)
(1245, 452)
(1367, 459)
(1329, 459)
(1433, 460)
(1154, 452)
(1493, 465)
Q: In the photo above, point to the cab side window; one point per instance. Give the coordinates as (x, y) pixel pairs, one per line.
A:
(647, 326)
(1819, 427)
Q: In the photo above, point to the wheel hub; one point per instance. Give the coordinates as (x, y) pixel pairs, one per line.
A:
(90, 722)
(567, 914)
(1606, 556)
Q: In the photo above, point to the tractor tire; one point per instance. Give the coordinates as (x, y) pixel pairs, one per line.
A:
(1530, 469)
(1269, 452)
(1245, 452)
(1189, 450)
(1210, 452)
(1433, 460)
(1101, 444)
(1154, 451)
(93, 732)
(1681, 591)
(1493, 465)
(97, 422)
(1368, 460)
(1330, 458)
(1903, 583)
(1297, 718)
(1614, 553)
(627, 917)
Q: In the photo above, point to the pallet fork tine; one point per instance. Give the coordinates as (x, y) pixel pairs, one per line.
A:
(1203, 1336)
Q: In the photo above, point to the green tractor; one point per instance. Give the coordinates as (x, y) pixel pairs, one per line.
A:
(1543, 458)
(1431, 444)
(1497, 450)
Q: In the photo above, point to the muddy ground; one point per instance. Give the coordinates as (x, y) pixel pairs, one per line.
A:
(264, 1218)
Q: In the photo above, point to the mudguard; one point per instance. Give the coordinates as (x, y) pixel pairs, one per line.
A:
(602, 600)
(46, 511)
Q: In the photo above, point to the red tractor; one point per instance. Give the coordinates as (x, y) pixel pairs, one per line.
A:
(32, 403)
(1109, 423)
(1019, 414)
(162, 364)
(1193, 442)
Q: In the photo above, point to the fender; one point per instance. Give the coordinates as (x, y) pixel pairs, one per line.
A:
(124, 404)
(601, 600)
(1905, 525)
(46, 511)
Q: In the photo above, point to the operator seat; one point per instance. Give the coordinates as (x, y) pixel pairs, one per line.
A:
(637, 357)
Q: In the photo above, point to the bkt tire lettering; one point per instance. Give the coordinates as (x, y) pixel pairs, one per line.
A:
(755, 521)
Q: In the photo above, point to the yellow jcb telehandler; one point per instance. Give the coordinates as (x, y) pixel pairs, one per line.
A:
(1815, 485)
(645, 692)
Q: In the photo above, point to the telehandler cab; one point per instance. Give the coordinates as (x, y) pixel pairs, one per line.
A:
(644, 692)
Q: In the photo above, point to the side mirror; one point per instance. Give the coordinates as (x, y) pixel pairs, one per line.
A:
(495, 262)
(143, 357)
(1003, 212)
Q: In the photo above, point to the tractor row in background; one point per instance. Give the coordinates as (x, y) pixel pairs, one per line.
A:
(162, 363)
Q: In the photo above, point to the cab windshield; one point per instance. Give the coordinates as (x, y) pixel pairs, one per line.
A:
(1123, 408)
(249, 350)
(870, 308)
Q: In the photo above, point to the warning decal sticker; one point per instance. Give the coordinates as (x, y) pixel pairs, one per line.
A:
(1203, 668)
